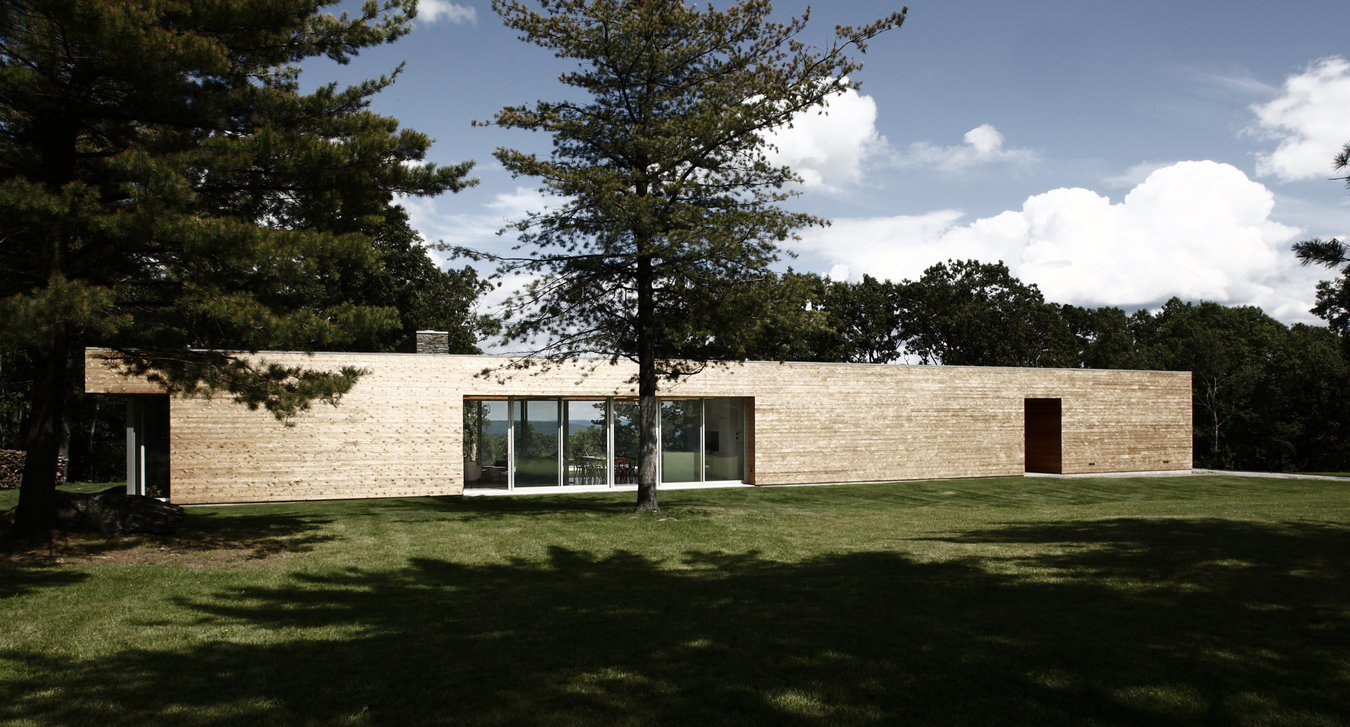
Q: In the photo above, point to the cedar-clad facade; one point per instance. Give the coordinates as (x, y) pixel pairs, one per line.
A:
(427, 424)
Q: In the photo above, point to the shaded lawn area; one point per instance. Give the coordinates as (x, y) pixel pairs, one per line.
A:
(1173, 601)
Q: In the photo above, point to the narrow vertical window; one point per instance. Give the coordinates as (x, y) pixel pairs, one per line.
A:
(486, 440)
(586, 442)
(626, 438)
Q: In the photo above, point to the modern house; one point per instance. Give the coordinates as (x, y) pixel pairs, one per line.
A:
(437, 424)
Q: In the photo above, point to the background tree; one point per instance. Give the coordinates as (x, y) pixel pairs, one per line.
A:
(869, 318)
(1101, 338)
(1254, 383)
(812, 318)
(977, 314)
(408, 280)
(426, 297)
(668, 203)
(1224, 350)
(168, 191)
(1310, 383)
(795, 325)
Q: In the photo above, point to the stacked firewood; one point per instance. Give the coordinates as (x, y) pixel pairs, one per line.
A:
(11, 468)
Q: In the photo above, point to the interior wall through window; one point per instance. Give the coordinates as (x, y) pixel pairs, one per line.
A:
(681, 440)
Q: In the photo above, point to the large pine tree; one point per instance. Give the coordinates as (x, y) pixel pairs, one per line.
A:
(167, 190)
(668, 203)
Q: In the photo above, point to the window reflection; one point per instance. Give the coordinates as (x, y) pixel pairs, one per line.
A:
(626, 441)
(587, 445)
(547, 442)
(536, 442)
(485, 443)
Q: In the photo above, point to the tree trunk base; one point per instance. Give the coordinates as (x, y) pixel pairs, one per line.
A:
(108, 512)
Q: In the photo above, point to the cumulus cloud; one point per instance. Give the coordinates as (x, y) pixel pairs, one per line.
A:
(430, 12)
(477, 230)
(829, 150)
(1196, 230)
(1308, 119)
(521, 201)
(983, 145)
(425, 214)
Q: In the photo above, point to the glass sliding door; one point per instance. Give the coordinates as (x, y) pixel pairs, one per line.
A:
(626, 441)
(537, 436)
(681, 424)
(587, 443)
(723, 440)
(486, 442)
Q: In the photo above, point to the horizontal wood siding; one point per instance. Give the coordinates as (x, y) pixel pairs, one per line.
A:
(398, 432)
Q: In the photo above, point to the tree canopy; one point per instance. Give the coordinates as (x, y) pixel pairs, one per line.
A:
(974, 313)
(169, 191)
(668, 206)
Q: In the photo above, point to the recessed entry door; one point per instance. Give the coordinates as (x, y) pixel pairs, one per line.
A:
(1044, 440)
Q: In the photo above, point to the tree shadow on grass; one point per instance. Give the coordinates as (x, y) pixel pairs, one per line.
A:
(488, 507)
(22, 579)
(217, 534)
(259, 535)
(1126, 623)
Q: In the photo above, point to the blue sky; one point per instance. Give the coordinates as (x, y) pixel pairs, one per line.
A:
(1111, 153)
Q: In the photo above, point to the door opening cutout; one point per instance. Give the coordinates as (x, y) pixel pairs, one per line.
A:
(1044, 447)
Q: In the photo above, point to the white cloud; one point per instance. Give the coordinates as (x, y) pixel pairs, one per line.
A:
(436, 226)
(829, 150)
(477, 231)
(1196, 230)
(1239, 82)
(431, 12)
(983, 145)
(1309, 121)
(521, 201)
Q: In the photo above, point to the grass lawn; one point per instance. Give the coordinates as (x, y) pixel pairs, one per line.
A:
(1160, 601)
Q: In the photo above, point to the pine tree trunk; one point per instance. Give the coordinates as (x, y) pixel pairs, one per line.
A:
(67, 407)
(648, 410)
(42, 439)
(63, 434)
(43, 433)
(648, 451)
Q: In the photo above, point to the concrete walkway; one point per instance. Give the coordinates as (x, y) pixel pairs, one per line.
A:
(1275, 475)
(1183, 473)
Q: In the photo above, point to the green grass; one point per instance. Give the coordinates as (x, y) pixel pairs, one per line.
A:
(1171, 601)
